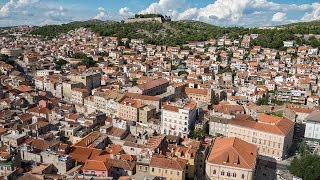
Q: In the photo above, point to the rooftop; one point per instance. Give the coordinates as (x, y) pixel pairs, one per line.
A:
(233, 152)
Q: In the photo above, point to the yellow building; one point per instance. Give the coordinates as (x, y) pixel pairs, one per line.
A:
(188, 154)
(272, 135)
(169, 168)
(203, 95)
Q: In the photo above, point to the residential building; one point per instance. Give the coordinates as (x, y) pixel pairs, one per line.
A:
(178, 118)
(312, 130)
(128, 109)
(89, 79)
(203, 95)
(174, 168)
(78, 95)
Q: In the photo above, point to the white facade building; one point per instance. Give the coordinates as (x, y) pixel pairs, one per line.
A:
(178, 118)
(312, 130)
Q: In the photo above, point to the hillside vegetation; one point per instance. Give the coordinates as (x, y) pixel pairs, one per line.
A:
(180, 32)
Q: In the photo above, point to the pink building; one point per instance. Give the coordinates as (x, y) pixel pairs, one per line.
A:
(96, 168)
(128, 109)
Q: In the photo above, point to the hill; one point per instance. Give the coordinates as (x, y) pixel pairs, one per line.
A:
(180, 32)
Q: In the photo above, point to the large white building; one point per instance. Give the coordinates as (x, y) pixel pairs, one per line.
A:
(312, 130)
(178, 118)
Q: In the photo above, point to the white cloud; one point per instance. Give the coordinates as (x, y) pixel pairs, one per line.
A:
(224, 9)
(234, 12)
(314, 14)
(125, 11)
(279, 17)
(165, 7)
(190, 13)
(100, 8)
(101, 15)
(15, 4)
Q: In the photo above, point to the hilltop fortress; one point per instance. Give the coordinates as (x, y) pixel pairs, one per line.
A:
(148, 18)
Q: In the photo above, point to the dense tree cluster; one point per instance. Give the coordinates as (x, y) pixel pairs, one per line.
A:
(181, 32)
(79, 55)
(6, 59)
(307, 166)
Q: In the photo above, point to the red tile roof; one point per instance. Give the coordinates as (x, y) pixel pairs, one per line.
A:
(266, 123)
(94, 165)
(168, 163)
(233, 152)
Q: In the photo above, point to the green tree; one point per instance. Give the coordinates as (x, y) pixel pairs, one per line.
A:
(306, 167)
(214, 99)
(182, 72)
(263, 101)
(60, 63)
(198, 134)
(79, 55)
(88, 62)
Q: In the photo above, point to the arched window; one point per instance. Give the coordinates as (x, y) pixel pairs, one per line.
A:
(234, 175)
(228, 174)
(222, 173)
(214, 171)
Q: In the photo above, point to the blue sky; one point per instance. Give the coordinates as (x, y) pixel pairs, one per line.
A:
(249, 13)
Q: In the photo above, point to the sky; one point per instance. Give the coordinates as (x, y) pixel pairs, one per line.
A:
(247, 13)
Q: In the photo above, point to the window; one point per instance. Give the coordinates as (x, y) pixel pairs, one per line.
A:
(228, 174)
(152, 169)
(234, 175)
(222, 173)
(214, 171)
(178, 174)
(242, 176)
(140, 167)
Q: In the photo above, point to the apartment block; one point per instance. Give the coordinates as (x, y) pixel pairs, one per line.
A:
(178, 118)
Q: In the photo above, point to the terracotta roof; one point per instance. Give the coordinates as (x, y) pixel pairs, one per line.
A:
(170, 107)
(123, 164)
(152, 84)
(114, 149)
(96, 165)
(175, 107)
(227, 108)
(38, 125)
(266, 123)
(166, 163)
(41, 110)
(88, 139)
(196, 91)
(117, 132)
(302, 110)
(39, 144)
(233, 152)
(143, 97)
(28, 176)
(25, 117)
(82, 154)
(132, 102)
(24, 88)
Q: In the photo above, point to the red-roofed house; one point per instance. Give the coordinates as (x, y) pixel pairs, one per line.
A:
(231, 158)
